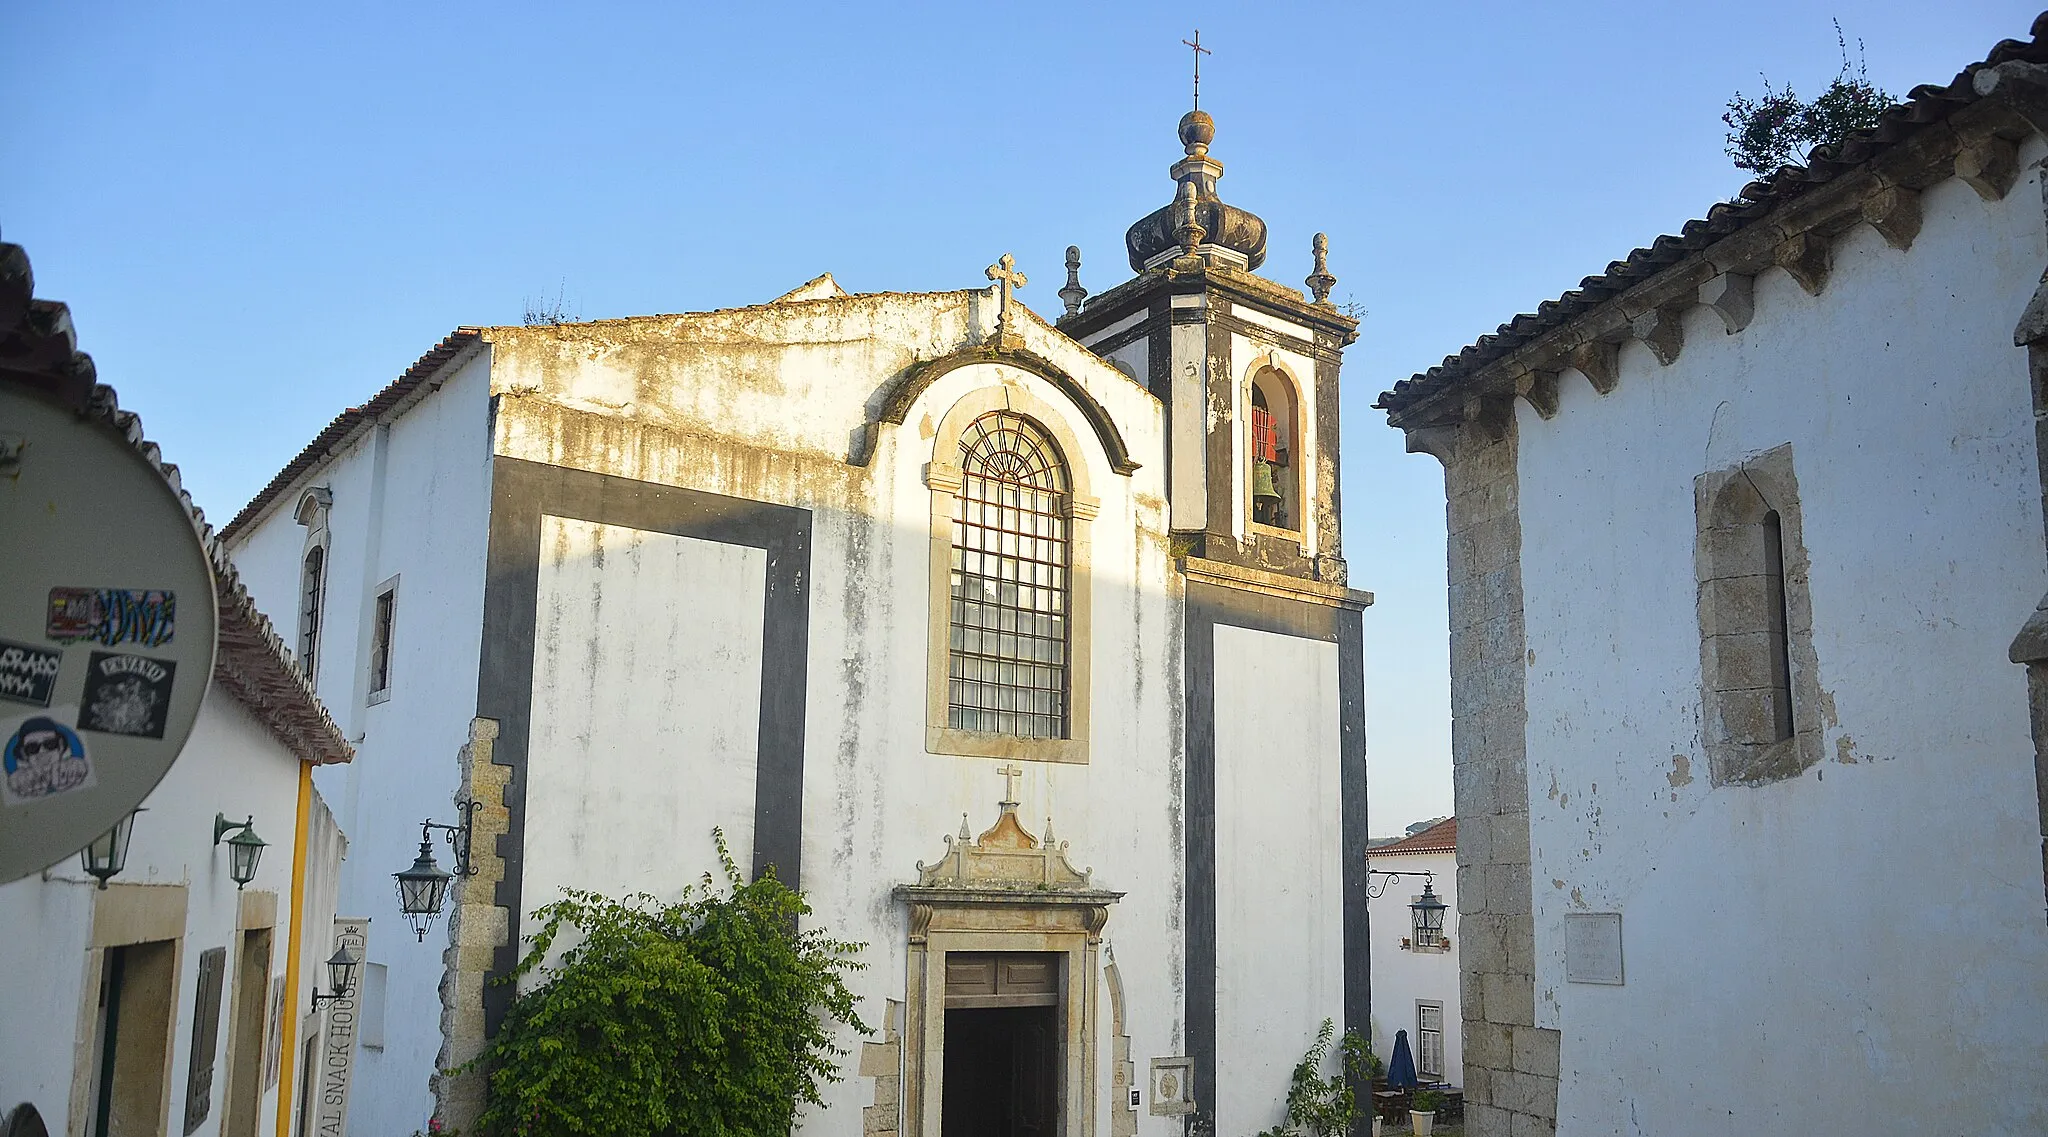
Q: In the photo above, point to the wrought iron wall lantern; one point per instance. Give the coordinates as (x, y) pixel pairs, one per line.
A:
(341, 976)
(1428, 909)
(245, 849)
(423, 888)
(108, 853)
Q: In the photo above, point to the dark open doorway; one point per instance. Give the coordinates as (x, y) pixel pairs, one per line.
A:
(1002, 1059)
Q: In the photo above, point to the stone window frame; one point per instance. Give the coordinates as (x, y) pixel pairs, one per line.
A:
(312, 513)
(943, 477)
(1738, 714)
(1300, 451)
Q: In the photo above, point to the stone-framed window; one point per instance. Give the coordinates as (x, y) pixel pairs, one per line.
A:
(312, 512)
(1759, 684)
(1273, 453)
(998, 444)
(1007, 653)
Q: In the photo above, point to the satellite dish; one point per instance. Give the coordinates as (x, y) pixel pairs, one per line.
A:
(107, 626)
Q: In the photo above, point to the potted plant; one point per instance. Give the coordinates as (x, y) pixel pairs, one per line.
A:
(1422, 1114)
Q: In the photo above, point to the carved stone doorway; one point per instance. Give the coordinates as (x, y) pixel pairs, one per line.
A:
(1000, 1009)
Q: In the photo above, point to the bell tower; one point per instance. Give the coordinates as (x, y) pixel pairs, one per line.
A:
(1246, 367)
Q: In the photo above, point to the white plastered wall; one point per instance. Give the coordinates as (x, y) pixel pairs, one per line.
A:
(231, 764)
(412, 501)
(1401, 977)
(1861, 945)
(1279, 933)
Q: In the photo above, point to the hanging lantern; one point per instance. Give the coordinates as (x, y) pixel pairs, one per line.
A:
(108, 853)
(422, 889)
(1428, 911)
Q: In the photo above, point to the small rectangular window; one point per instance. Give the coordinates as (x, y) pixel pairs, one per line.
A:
(380, 641)
(1429, 1039)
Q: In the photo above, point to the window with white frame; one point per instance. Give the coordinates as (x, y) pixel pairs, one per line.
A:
(312, 590)
(1429, 1038)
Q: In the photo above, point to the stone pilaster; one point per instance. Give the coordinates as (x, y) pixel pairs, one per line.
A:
(883, 1061)
(476, 929)
(1511, 1065)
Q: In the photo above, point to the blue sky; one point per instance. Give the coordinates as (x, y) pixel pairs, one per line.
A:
(260, 214)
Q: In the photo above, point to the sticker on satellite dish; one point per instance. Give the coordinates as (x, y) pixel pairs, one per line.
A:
(126, 694)
(112, 616)
(43, 758)
(28, 674)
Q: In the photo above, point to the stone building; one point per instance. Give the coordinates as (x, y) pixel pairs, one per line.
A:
(1741, 533)
(889, 587)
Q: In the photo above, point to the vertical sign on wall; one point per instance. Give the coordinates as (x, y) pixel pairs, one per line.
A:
(338, 1045)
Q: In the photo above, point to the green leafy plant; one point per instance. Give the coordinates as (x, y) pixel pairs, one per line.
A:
(1327, 1106)
(1778, 128)
(1427, 1101)
(709, 1017)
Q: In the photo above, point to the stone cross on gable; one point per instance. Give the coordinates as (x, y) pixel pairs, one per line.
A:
(1010, 775)
(1004, 273)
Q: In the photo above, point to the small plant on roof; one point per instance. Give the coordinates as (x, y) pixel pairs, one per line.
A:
(1778, 128)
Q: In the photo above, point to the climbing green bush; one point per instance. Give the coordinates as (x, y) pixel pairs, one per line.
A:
(709, 1017)
(1319, 1106)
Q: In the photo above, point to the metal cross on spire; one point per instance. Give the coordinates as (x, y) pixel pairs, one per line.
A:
(1200, 51)
(1004, 273)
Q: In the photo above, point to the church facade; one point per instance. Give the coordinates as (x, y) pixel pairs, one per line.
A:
(1024, 647)
(1742, 530)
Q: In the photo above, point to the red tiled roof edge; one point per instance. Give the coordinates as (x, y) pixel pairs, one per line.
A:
(250, 661)
(1439, 838)
(345, 424)
(1924, 106)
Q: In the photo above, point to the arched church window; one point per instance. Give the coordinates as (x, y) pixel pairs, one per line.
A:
(312, 585)
(1275, 493)
(1008, 666)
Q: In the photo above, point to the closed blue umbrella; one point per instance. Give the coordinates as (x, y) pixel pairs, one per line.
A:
(1401, 1067)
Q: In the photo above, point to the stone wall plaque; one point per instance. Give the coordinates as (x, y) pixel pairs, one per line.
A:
(1173, 1092)
(1592, 948)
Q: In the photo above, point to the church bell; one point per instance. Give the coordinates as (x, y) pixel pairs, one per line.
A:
(1263, 489)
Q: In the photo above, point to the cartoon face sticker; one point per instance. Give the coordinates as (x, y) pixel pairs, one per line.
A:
(43, 758)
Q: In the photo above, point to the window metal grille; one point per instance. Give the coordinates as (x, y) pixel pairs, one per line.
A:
(380, 642)
(1429, 1039)
(1265, 435)
(309, 611)
(1008, 667)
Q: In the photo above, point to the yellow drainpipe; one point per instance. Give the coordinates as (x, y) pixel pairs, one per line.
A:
(288, 1048)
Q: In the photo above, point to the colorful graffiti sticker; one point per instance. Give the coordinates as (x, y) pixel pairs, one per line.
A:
(43, 758)
(112, 616)
(126, 694)
(28, 674)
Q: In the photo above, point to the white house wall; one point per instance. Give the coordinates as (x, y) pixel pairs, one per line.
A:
(411, 501)
(1279, 936)
(1864, 941)
(231, 765)
(1401, 977)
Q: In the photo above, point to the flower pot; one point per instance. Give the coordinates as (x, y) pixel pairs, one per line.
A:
(1376, 1123)
(1424, 1122)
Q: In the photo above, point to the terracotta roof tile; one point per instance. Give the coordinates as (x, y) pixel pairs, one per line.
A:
(1439, 838)
(1925, 105)
(39, 350)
